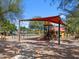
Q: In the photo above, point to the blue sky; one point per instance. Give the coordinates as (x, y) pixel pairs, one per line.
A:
(32, 8)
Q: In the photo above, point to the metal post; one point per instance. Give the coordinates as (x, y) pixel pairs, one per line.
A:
(44, 29)
(59, 33)
(19, 32)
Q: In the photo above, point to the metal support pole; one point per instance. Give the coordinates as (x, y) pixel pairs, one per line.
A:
(48, 32)
(44, 28)
(59, 33)
(19, 32)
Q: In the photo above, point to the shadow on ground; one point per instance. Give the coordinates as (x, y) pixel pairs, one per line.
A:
(32, 48)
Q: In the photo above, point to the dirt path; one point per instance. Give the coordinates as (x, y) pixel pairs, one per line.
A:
(42, 49)
(68, 49)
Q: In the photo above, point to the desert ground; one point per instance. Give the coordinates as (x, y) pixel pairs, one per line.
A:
(38, 48)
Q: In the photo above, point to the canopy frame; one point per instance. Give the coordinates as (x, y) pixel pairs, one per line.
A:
(41, 20)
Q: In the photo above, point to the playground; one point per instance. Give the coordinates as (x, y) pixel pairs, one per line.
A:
(39, 29)
(35, 45)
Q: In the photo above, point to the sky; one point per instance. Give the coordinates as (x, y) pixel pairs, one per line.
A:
(33, 8)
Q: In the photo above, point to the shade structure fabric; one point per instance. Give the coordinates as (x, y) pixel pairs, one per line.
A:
(53, 19)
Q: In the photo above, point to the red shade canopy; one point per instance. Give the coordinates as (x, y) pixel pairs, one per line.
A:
(54, 19)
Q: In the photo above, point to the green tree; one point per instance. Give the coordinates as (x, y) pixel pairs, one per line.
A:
(66, 5)
(10, 8)
(7, 26)
(36, 24)
(23, 28)
(73, 22)
(13, 27)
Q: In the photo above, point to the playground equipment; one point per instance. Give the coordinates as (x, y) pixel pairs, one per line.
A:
(53, 19)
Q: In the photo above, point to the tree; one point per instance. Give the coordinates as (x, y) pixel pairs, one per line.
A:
(73, 22)
(66, 5)
(13, 27)
(71, 9)
(36, 24)
(23, 28)
(9, 9)
(7, 27)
